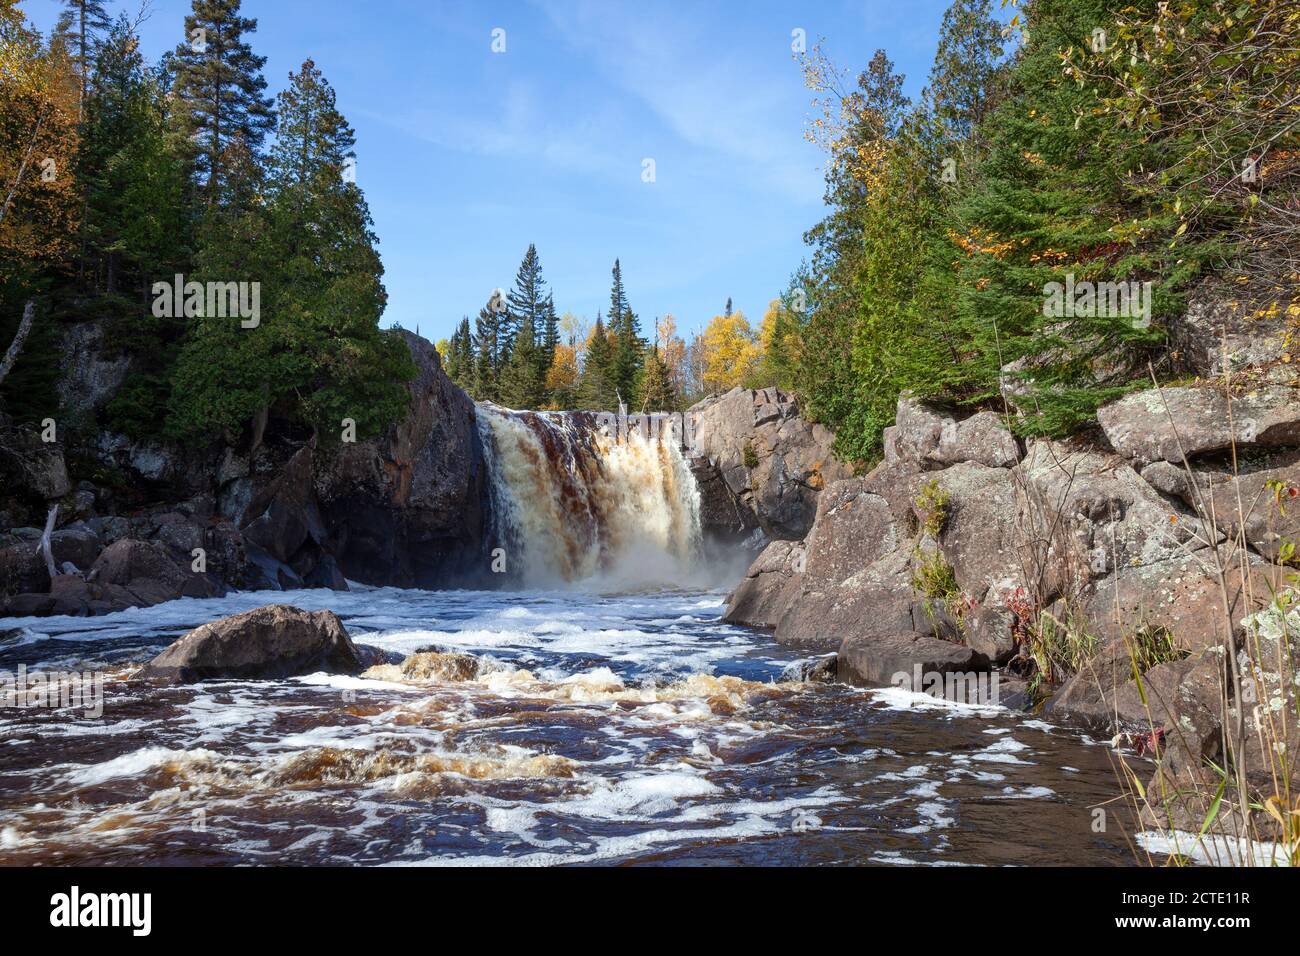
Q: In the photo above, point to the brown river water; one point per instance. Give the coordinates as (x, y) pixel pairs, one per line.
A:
(600, 728)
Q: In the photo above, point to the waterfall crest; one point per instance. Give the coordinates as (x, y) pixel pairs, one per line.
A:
(574, 499)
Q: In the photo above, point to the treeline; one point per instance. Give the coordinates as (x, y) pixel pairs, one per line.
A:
(520, 353)
(1086, 145)
(120, 175)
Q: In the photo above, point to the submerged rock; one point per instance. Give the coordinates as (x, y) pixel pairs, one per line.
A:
(814, 670)
(267, 642)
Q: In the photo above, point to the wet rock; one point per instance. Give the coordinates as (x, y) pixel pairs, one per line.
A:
(429, 666)
(887, 660)
(815, 670)
(771, 585)
(1166, 424)
(771, 463)
(267, 642)
(145, 572)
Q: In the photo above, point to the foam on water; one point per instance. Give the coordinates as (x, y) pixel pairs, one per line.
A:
(587, 727)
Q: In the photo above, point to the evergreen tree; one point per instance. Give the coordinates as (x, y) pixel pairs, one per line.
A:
(489, 353)
(628, 343)
(965, 67)
(460, 356)
(522, 380)
(550, 335)
(657, 392)
(318, 355)
(526, 301)
(596, 386)
(81, 27)
(218, 79)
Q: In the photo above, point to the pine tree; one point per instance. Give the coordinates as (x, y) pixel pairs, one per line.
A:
(526, 301)
(318, 354)
(596, 387)
(965, 67)
(657, 392)
(550, 335)
(521, 378)
(219, 80)
(488, 352)
(460, 356)
(628, 343)
(81, 27)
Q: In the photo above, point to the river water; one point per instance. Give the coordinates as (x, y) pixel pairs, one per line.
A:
(600, 727)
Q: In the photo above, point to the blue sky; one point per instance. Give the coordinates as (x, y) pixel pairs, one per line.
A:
(466, 155)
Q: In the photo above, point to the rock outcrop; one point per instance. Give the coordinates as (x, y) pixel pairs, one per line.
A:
(405, 509)
(759, 464)
(267, 642)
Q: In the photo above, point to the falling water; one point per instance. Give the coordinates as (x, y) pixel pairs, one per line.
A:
(575, 499)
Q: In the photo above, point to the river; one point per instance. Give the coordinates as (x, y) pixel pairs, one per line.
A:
(601, 727)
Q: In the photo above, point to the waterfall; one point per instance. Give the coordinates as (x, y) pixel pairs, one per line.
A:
(574, 497)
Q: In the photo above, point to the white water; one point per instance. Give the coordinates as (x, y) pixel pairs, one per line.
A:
(575, 503)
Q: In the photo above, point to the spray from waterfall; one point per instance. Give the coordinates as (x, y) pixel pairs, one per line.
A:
(573, 499)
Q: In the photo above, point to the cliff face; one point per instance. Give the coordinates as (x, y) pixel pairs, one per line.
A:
(404, 509)
(1121, 571)
(758, 464)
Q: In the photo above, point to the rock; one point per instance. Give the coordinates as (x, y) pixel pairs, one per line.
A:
(1165, 424)
(150, 461)
(410, 509)
(1181, 595)
(934, 439)
(980, 536)
(893, 659)
(22, 567)
(79, 545)
(876, 601)
(1214, 318)
(989, 631)
(814, 670)
(283, 516)
(1097, 515)
(429, 666)
(90, 372)
(771, 462)
(31, 465)
(267, 642)
(146, 574)
(771, 585)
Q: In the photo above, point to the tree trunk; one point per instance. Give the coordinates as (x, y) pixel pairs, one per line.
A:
(45, 546)
(16, 346)
(22, 167)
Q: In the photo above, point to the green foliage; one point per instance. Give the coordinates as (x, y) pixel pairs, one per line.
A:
(748, 455)
(932, 503)
(657, 392)
(596, 384)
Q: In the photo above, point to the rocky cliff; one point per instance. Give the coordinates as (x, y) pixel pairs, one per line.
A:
(160, 522)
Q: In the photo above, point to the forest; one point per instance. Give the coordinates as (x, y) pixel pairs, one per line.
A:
(1085, 144)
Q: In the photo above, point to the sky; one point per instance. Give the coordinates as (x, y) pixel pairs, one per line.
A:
(467, 155)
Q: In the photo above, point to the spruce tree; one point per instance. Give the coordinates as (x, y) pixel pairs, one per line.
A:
(521, 378)
(82, 27)
(526, 301)
(628, 344)
(318, 354)
(657, 392)
(218, 79)
(487, 354)
(596, 387)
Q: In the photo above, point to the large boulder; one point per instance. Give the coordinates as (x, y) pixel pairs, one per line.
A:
(771, 585)
(771, 463)
(143, 573)
(266, 642)
(411, 508)
(899, 658)
(1166, 424)
(932, 438)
